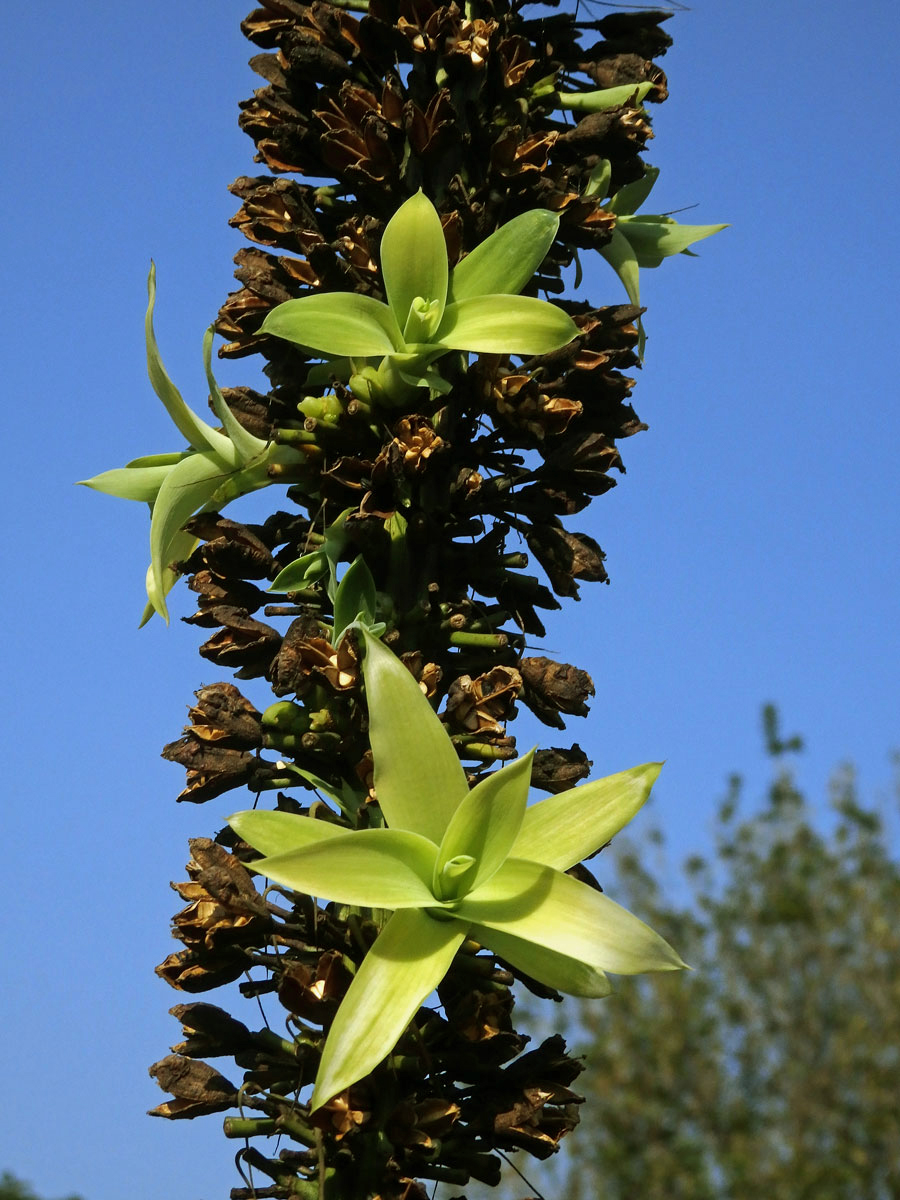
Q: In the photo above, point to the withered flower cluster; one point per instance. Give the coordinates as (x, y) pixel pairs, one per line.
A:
(459, 505)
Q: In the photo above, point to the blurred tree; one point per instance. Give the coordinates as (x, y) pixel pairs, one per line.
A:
(12, 1188)
(772, 1069)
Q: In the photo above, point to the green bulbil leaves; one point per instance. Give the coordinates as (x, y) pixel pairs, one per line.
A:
(550, 909)
(454, 863)
(318, 563)
(505, 325)
(486, 823)
(417, 324)
(655, 238)
(409, 959)
(218, 467)
(194, 430)
(567, 828)
(279, 832)
(354, 599)
(628, 199)
(556, 970)
(379, 868)
(140, 479)
(645, 240)
(336, 324)
(419, 790)
(414, 263)
(504, 262)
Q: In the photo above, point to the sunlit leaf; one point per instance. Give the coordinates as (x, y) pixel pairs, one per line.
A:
(336, 324)
(131, 483)
(628, 199)
(378, 868)
(484, 827)
(188, 486)
(200, 435)
(278, 833)
(621, 257)
(160, 583)
(504, 262)
(653, 240)
(598, 179)
(247, 446)
(355, 595)
(505, 325)
(562, 830)
(414, 259)
(553, 910)
(408, 960)
(569, 975)
(419, 780)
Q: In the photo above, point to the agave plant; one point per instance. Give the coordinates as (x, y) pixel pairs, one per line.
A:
(386, 351)
(455, 863)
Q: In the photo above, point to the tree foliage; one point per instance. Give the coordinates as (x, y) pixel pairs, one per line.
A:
(13, 1188)
(772, 1069)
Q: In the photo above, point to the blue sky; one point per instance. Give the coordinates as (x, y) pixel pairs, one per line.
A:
(752, 545)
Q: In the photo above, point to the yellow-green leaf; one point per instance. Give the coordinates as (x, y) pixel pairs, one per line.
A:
(408, 960)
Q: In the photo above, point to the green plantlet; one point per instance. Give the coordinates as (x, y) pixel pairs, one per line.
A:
(645, 240)
(220, 465)
(386, 351)
(455, 863)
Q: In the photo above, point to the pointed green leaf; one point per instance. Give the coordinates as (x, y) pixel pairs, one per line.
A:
(562, 830)
(409, 959)
(505, 325)
(246, 445)
(200, 435)
(628, 199)
(376, 868)
(419, 780)
(555, 911)
(598, 179)
(301, 572)
(278, 833)
(414, 259)
(355, 596)
(568, 975)
(504, 262)
(620, 256)
(188, 486)
(131, 483)
(484, 828)
(321, 374)
(336, 324)
(652, 240)
(159, 460)
(429, 379)
(181, 547)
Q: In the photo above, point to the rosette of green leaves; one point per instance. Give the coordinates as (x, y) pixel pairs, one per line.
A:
(386, 351)
(641, 240)
(455, 863)
(220, 465)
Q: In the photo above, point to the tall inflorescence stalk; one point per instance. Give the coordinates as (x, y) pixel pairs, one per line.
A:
(492, 113)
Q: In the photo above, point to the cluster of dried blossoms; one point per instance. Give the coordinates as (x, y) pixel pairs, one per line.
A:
(378, 102)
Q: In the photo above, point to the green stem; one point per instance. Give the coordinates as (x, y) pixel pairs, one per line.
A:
(489, 641)
(247, 1127)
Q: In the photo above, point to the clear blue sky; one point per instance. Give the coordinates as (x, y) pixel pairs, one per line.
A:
(752, 545)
